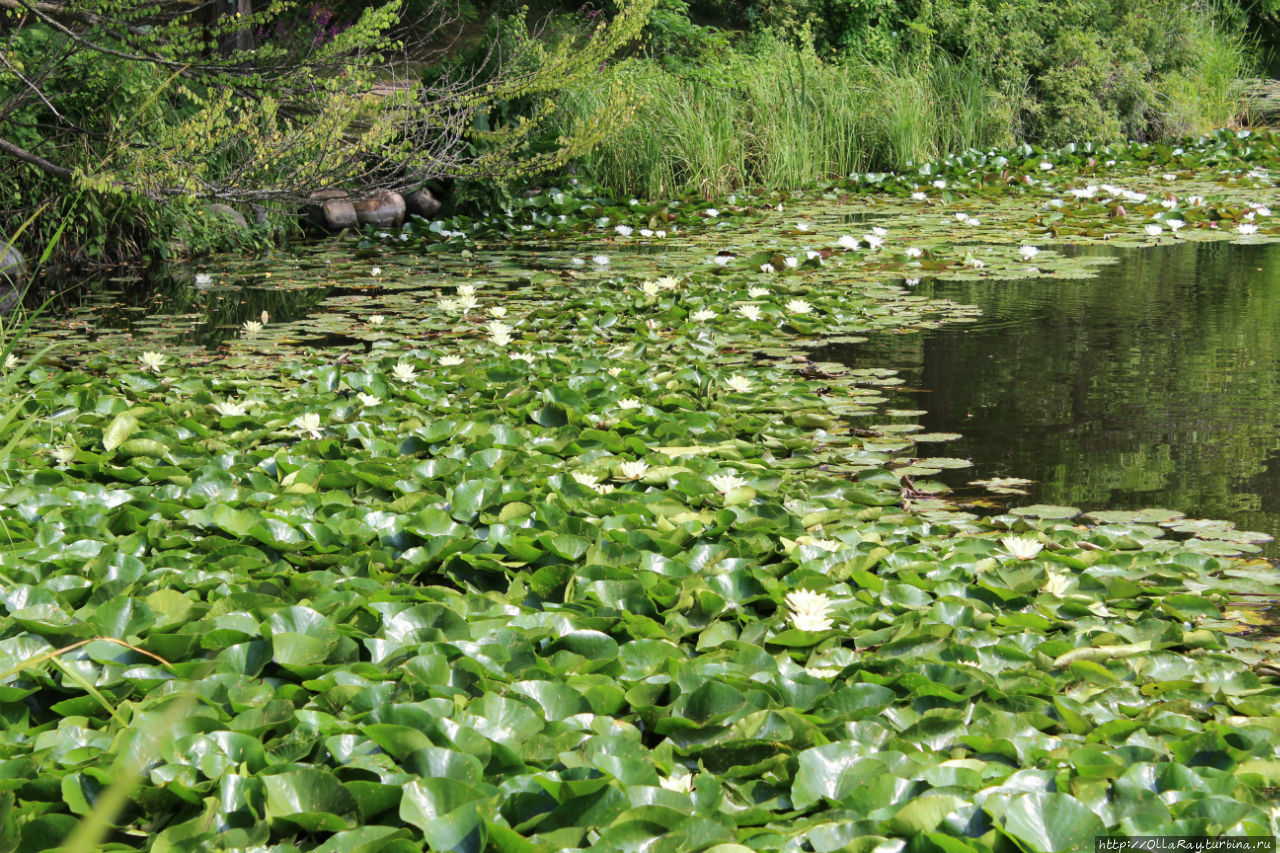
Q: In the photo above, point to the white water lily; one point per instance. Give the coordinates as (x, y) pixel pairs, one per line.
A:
(1169, 176)
(668, 282)
(757, 292)
(377, 320)
(1174, 224)
(232, 408)
(919, 196)
(721, 260)
(447, 304)
(1153, 230)
(659, 233)
(629, 403)
(1021, 548)
(809, 610)
(798, 306)
(767, 267)
(811, 255)
(725, 483)
(749, 312)
(152, 361)
(585, 479)
(791, 263)
(450, 360)
(650, 288)
(1262, 210)
(404, 371)
(64, 454)
(1169, 203)
(824, 673)
(847, 242)
(913, 252)
(1247, 228)
(711, 213)
(633, 470)
(738, 383)
(600, 260)
(702, 315)
(10, 361)
(1057, 583)
(308, 425)
(645, 232)
(499, 332)
(577, 262)
(526, 357)
(615, 372)
(375, 271)
(496, 311)
(368, 399)
(467, 304)
(203, 279)
(975, 263)
(939, 184)
(678, 781)
(1028, 252)
(250, 328)
(623, 230)
(911, 282)
(466, 290)
(1045, 165)
(879, 232)
(874, 241)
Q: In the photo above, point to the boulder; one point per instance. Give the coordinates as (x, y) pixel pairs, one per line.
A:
(228, 213)
(422, 203)
(331, 210)
(381, 209)
(13, 267)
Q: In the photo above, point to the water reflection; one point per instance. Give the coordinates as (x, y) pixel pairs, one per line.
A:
(1155, 384)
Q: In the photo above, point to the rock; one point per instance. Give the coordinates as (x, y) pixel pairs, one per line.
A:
(331, 210)
(13, 267)
(381, 209)
(228, 213)
(422, 203)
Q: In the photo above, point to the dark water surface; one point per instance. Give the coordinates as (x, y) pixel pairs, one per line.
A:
(1155, 384)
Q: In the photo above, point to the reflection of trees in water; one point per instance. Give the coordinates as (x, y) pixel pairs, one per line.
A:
(1153, 384)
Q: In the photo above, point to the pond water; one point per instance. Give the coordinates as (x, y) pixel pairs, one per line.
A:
(1157, 383)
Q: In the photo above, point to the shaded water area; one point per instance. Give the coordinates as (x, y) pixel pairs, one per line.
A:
(1155, 384)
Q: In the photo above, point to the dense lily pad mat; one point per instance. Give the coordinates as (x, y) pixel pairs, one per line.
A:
(564, 563)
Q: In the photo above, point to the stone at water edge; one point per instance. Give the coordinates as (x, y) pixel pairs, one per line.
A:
(13, 275)
(331, 210)
(422, 203)
(381, 209)
(228, 213)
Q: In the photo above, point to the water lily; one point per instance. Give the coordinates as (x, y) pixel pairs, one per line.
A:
(152, 361)
(467, 304)
(809, 610)
(798, 306)
(1028, 252)
(645, 232)
(232, 408)
(1262, 210)
(879, 232)
(919, 196)
(496, 311)
(368, 399)
(375, 271)
(711, 213)
(874, 241)
(250, 328)
(10, 361)
(668, 282)
(466, 290)
(64, 454)
(447, 304)
(615, 372)
(526, 357)
(738, 383)
(499, 332)
(600, 260)
(939, 184)
(1169, 176)
(1020, 547)
(702, 315)
(633, 470)
(1057, 583)
(308, 425)
(913, 252)
(767, 267)
(450, 360)
(749, 312)
(791, 263)
(721, 260)
(1153, 230)
(1045, 165)
(377, 320)
(811, 255)
(1174, 224)
(802, 226)
(975, 263)
(629, 403)
(585, 479)
(623, 230)
(847, 242)
(660, 233)
(1247, 228)
(578, 262)
(911, 282)
(679, 782)
(203, 279)
(757, 292)
(725, 483)
(404, 371)
(650, 288)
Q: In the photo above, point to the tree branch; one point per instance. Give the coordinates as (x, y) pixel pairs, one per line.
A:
(35, 160)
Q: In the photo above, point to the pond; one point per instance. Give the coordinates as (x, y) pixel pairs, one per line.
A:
(1152, 384)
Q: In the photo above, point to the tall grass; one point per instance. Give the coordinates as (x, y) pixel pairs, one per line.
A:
(776, 116)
